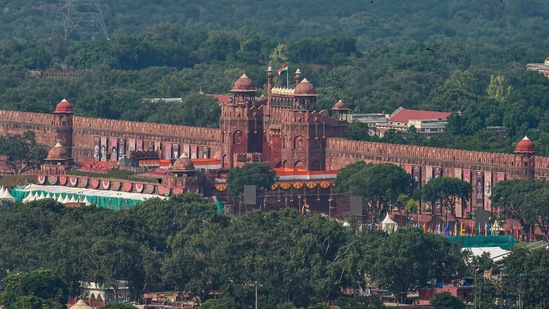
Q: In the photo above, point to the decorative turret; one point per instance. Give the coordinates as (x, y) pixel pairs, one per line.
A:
(243, 91)
(526, 146)
(58, 160)
(57, 153)
(269, 80)
(297, 77)
(305, 95)
(526, 151)
(340, 111)
(183, 166)
(63, 107)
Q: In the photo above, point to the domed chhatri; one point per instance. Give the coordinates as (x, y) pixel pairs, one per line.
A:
(63, 107)
(340, 106)
(305, 88)
(183, 164)
(243, 84)
(525, 146)
(57, 152)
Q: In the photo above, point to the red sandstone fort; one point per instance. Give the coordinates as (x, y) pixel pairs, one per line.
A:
(305, 145)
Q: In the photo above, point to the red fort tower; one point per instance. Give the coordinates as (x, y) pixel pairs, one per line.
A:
(284, 129)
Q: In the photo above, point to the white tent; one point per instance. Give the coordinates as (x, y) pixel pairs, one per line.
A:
(86, 201)
(497, 254)
(5, 195)
(90, 196)
(388, 225)
(31, 197)
(66, 199)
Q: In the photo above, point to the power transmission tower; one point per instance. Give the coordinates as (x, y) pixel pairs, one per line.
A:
(86, 14)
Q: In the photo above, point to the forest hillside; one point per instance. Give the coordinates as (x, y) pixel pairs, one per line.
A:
(466, 57)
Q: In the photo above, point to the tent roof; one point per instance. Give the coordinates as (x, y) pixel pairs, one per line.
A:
(5, 195)
(388, 220)
(496, 253)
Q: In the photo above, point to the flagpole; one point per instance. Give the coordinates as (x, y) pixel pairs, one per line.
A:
(287, 77)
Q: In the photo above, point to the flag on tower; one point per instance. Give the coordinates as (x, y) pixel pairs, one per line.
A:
(283, 69)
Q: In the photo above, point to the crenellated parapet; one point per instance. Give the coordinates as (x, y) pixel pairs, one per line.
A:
(15, 122)
(145, 128)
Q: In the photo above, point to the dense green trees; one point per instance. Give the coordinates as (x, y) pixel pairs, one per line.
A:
(411, 257)
(36, 289)
(445, 300)
(523, 200)
(183, 244)
(527, 277)
(22, 152)
(445, 192)
(258, 174)
(378, 184)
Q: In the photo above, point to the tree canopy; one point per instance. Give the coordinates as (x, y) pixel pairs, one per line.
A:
(379, 185)
(445, 192)
(411, 257)
(22, 151)
(512, 197)
(34, 290)
(259, 174)
(445, 300)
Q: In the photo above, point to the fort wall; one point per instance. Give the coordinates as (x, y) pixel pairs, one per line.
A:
(162, 135)
(15, 122)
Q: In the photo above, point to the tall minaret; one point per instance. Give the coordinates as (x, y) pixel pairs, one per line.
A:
(62, 125)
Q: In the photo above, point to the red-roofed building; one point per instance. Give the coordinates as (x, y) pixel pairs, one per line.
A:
(222, 99)
(425, 122)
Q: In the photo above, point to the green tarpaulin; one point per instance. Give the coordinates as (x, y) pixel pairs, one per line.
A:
(505, 242)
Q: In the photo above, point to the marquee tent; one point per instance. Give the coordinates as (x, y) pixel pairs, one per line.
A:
(388, 225)
(5, 195)
(102, 198)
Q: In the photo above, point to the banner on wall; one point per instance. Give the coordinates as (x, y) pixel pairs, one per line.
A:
(168, 150)
(467, 175)
(175, 151)
(501, 177)
(205, 152)
(121, 148)
(150, 146)
(437, 172)
(158, 148)
(487, 190)
(139, 145)
(459, 208)
(113, 142)
(428, 173)
(131, 145)
(96, 148)
(104, 148)
(416, 174)
(458, 174)
(194, 152)
(186, 149)
(480, 189)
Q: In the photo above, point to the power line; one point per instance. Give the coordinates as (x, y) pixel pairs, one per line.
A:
(72, 14)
